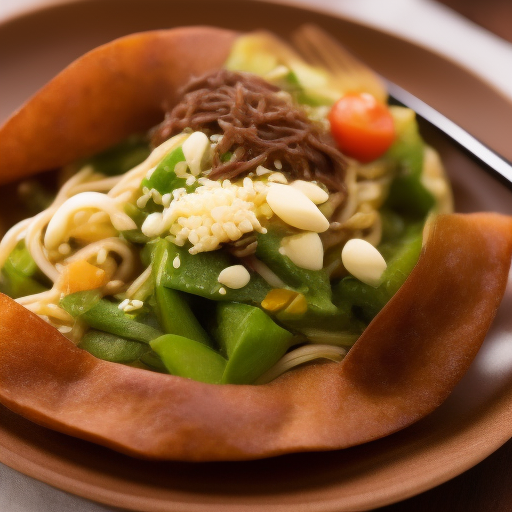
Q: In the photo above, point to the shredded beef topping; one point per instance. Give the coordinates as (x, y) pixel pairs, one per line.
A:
(259, 125)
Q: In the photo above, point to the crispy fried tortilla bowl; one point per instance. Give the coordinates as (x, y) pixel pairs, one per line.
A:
(116, 90)
(401, 369)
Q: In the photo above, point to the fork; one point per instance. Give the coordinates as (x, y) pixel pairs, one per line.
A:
(348, 73)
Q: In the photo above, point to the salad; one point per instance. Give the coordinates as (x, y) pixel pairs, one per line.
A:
(259, 226)
(265, 223)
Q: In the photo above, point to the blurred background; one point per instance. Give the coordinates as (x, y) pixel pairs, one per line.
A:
(494, 15)
(478, 35)
(467, 31)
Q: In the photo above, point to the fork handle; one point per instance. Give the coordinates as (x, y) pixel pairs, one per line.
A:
(486, 157)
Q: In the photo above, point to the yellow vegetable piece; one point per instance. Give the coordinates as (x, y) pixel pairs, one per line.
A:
(277, 299)
(298, 306)
(80, 275)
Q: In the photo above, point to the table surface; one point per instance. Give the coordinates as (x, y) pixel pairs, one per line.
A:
(487, 486)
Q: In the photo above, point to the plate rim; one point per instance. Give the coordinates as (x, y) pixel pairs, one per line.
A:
(33, 470)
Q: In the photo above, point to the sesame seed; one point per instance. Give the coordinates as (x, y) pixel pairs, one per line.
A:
(278, 177)
(150, 172)
(142, 201)
(180, 169)
(64, 249)
(123, 304)
(260, 170)
(178, 192)
(101, 257)
(130, 305)
(166, 200)
(157, 197)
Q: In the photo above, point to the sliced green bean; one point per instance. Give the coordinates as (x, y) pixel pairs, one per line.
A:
(164, 178)
(104, 315)
(110, 347)
(402, 255)
(250, 340)
(173, 311)
(313, 284)
(198, 274)
(407, 195)
(189, 358)
(20, 275)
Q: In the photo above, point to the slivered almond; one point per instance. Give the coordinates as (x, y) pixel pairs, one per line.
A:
(296, 209)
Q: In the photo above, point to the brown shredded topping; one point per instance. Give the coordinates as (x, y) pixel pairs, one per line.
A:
(259, 125)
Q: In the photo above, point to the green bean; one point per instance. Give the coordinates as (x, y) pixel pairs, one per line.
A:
(110, 347)
(104, 315)
(20, 274)
(407, 195)
(251, 341)
(189, 358)
(173, 311)
(401, 255)
(313, 284)
(164, 178)
(198, 274)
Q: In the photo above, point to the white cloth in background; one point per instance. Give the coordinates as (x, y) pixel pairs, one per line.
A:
(452, 36)
(20, 493)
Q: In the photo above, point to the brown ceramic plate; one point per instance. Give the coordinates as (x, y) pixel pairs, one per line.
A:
(475, 420)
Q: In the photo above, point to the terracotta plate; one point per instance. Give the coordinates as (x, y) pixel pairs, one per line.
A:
(476, 419)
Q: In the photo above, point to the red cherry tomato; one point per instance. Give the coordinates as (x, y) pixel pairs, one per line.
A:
(362, 127)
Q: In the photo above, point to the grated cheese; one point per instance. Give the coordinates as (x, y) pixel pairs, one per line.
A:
(128, 305)
(215, 213)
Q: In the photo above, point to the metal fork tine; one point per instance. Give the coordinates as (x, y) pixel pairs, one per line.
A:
(307, 50)
(309, 39)
(321, 49)
(334, 53)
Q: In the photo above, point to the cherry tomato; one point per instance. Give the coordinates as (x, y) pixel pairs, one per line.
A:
(362, 127)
